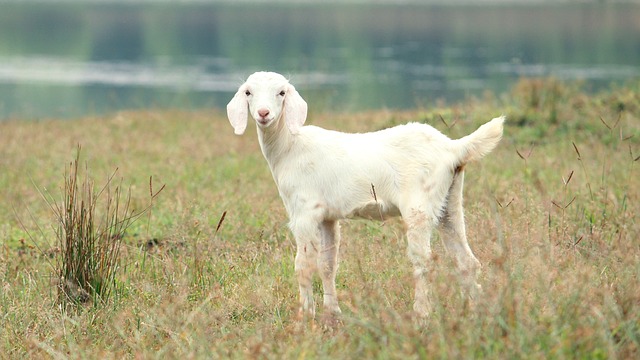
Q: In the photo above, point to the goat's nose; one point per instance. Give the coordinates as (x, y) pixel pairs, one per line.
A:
(263, 112)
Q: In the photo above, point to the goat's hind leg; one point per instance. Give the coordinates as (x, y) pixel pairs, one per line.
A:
(452, 230)
(419, 227)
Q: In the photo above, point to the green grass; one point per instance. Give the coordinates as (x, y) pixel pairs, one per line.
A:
(551, 214)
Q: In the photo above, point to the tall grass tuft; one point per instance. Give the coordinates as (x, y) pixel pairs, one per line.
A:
(91, 228)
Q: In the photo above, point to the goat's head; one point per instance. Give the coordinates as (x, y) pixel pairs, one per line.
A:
(267, 96)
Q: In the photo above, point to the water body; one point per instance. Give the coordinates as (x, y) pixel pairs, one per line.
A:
(73, 59)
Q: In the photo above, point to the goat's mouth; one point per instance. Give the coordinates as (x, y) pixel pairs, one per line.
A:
(263, 121)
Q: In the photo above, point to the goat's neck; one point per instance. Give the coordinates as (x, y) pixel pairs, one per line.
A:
(275, 142)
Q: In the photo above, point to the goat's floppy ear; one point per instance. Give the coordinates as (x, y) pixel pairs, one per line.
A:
(295, 110)
(237, 111)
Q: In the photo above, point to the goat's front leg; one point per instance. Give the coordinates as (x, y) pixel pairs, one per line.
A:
(307, 235)
(328, 265)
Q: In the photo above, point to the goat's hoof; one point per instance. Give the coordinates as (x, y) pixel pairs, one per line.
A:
(331, 320)
(472, 292)
(305, 314)
(473, 298)
(421, 320)
(421, 315)
(422, 308)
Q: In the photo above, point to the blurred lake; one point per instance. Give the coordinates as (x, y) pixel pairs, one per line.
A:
(71, 59)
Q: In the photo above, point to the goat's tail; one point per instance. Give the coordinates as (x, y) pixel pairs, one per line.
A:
(482, 141)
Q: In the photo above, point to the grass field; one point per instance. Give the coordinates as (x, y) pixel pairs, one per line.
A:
(552, 214)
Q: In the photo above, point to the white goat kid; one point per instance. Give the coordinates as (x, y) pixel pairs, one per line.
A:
(324, 176)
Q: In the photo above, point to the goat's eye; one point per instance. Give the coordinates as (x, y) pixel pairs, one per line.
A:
(282, 93)
(247, 92)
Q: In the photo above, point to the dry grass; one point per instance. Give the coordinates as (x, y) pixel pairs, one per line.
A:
(551, 214)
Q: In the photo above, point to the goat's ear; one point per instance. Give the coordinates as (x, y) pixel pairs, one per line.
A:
(237, 111)
(295, 110)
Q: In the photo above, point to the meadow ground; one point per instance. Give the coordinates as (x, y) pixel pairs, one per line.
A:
(552, 214)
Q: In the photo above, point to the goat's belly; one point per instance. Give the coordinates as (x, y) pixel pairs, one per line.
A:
(375, 210)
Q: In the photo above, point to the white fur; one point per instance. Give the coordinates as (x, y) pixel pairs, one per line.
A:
(323, 176)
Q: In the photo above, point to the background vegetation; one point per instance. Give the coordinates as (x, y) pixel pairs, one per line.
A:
(551, 214)
(76, 57)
